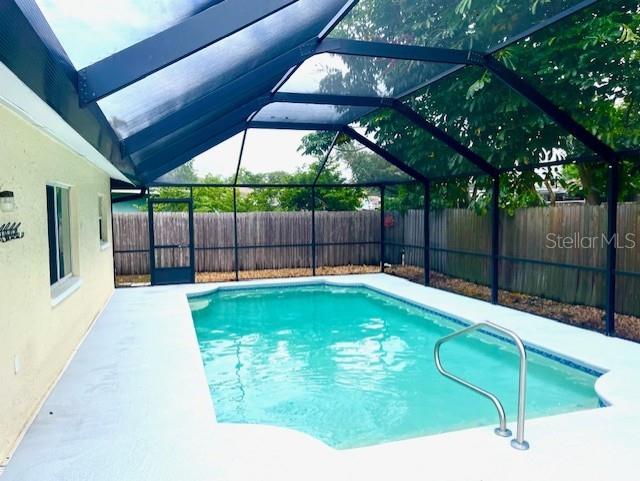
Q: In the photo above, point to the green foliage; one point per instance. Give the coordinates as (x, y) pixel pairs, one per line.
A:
(590, 181)
(588, 64)
(265, 199)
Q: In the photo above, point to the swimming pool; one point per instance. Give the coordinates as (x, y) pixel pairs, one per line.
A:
(354, 367)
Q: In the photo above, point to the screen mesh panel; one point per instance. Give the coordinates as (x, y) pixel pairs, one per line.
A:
(353, 75)
(594, 77)
(91, 31)
(478, 24)
(484, 114)
(170, 89)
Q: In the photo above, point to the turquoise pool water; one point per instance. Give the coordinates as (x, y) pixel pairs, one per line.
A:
(353, 367)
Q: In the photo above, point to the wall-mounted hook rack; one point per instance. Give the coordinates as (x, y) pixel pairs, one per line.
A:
(10, 231)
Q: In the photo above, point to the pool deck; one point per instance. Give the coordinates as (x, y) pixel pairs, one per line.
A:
(133, 404)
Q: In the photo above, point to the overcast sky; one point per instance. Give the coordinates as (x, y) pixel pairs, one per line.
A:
(264, 151)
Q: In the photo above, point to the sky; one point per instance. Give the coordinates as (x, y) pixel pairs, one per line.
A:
(106, 27)
(264, 151)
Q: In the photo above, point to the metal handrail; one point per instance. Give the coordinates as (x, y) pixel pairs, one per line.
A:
(518, 442)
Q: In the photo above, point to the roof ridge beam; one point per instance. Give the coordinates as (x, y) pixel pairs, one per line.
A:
(365, 48)
(169, 46)
(259, 124)
(330, 99)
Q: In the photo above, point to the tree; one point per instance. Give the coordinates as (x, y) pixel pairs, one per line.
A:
(340, 198)
(586, 64)
(264, 199)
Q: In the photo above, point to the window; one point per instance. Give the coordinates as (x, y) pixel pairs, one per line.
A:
(102, 221)
(59, 227)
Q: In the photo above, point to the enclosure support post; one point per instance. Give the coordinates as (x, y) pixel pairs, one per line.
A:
(495, 238)
(612, 230)
(152, 254)
(235, 235)
(427, 240)
(382, 228)
(313, 230)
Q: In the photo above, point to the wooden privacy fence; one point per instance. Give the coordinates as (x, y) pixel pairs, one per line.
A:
(539, 247)
(342, 238)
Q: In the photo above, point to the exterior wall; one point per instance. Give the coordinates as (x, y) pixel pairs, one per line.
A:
(36, 337)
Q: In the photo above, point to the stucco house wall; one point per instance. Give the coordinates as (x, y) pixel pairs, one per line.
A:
(37, 338)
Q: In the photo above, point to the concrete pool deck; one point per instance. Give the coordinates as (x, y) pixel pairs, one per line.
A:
(134, 404)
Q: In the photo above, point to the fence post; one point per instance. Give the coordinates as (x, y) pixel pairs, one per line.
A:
(152, 253)
(495, 239)
(426, 241)
(613, 187)
(192, 238)
(313, 230)
(382, 228)
(235, 235)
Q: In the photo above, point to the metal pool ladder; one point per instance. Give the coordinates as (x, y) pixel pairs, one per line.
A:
(518, 442)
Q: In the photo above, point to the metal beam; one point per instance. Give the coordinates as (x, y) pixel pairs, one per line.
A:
(275, 69)
(400, 52)
(191, 144)
(313, 229)
(445, 138)
(327, 99)
(382, 249)
(293, 126)
(562, 118)
(207, 108)
(613, 188)
(495, 240)
(151, 170)
(282, 186)
(425, 229)
(326, 158)
(410, 114)
(392, 159)
(171, 45)
(244, 139)
(236, 262)
(344, 11)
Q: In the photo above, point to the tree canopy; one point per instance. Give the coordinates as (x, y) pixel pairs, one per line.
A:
(587, 64)
(266, 199)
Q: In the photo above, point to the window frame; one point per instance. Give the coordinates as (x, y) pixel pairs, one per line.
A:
(59, 280)
(103, 218)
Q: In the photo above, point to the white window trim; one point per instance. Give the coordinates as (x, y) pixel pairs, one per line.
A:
(64, 288)
(59, 184)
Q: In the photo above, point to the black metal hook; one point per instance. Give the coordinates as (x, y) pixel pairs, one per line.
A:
(9, 231)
